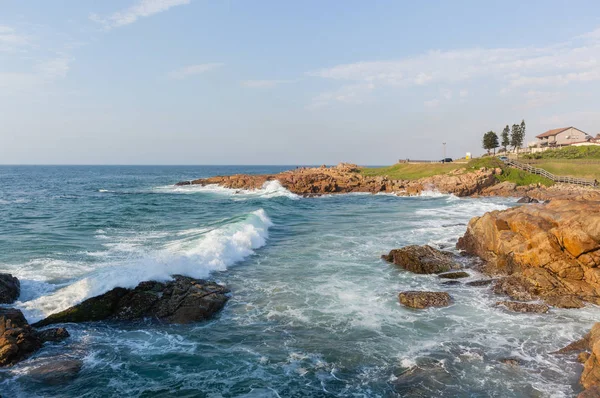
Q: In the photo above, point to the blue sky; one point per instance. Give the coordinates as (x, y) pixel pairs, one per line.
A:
(287, 82)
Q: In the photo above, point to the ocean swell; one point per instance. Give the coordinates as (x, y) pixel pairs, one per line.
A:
(270, 189)
(196, 254)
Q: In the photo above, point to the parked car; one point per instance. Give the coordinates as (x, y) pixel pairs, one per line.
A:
(503, 158)
(446, 160)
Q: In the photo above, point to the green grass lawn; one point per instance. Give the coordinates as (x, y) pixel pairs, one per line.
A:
(409, 171)
(571, 168)
(570, 152)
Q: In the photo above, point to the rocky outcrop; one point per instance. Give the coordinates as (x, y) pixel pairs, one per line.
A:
(517, 306)
(10, 288)
(454, 275)
(182, 300)
(527, 199)
(549, 251)
(18, 340)
(540, 193)
(346, 178)
(422, 259)
(588, 349)
(421, 300)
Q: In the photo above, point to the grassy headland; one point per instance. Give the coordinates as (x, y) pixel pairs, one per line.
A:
(410, 171)
(582, 162)
(414, 171)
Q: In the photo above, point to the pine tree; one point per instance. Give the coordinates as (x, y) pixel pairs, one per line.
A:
(490, 141)
(516, 137)
(506, 137)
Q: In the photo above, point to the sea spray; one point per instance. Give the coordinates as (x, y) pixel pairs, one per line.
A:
(196, 256)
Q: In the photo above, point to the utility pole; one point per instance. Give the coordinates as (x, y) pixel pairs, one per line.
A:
(444, 152)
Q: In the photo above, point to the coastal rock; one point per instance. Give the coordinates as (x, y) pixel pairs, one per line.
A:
(451, 283)
(527, 199)
(346, 178)
(59, 371)
(17, 339)
(588, 349)
(454, 275)
(422, 259)
(547, 251)
(480, 282)
(517, 306)
(54, 335)
(10, 288)
(421, 300)
(181, 300)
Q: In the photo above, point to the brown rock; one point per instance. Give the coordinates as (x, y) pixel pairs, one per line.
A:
(17, 339)
(420, 300)
(592, 392)
(583, 357)
(550, 251)
(422, 259)
(182, 300)
(53, 334)
(517, 306)
(480, 282)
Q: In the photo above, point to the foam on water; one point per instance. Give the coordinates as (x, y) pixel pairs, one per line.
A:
(196, 255)
(270, 189)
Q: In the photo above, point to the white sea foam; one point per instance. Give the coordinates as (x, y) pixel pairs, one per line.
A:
(196, 255)
(270, 189)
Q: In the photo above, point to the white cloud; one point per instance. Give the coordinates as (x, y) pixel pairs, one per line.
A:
(264, 83)
(432, 103)
(143, 8)
(536, 99)
(577, 60)
(350, 94)
(42, 73)
(192, 70)
(463, 93)
(10, 40)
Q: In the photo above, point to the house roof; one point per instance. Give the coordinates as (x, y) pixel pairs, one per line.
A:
(551, 133)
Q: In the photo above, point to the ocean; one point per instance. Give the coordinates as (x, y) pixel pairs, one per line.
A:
(313, 312)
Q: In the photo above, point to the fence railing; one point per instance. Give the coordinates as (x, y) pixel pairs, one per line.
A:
(550, 176)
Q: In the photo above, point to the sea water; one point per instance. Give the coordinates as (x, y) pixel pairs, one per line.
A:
(313, 312)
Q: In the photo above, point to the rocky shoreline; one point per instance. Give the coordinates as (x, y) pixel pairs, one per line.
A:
(536, 257)
(346, 178)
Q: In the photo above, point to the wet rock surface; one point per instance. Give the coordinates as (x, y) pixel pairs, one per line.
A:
(421, 299)
(10, 288)
(422, 259)
(18, 340)
(517, 306)
(56, 371)
(588, 351)
(181, 300)
(454, 275)
(480, 282)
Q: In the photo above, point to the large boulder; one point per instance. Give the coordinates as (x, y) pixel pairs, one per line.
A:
(590, 344)
(18, 340)
(422, 259)
(549, 251)
(56, 371)
(518, 306)
(181, 300)
(10, 288)
(421, 300)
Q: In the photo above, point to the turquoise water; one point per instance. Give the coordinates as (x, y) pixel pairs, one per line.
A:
(313, 313)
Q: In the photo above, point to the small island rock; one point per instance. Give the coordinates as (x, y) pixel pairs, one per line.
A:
(422, 259)
(421, 299)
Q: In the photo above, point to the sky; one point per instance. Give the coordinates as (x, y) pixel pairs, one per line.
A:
(288, 82)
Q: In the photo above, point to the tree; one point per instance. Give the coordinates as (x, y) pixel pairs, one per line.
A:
(523, 129)
(516, 137)
(506, 137)
(490, 141)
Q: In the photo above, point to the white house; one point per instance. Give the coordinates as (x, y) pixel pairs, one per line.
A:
(562, 136)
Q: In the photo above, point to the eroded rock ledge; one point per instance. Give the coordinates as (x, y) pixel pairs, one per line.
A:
(549, 251)
(346, 178)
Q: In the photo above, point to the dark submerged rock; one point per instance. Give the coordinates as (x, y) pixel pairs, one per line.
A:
(517, 306)
(53, 335)
(420, 299)
(181, 300)
(57, 371)
(10, 288)
(422, 259)
(451, 283)
(454, 275)
(480, 282)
